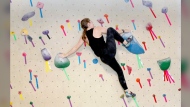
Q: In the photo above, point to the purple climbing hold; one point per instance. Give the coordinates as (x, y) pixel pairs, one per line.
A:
(164, 10)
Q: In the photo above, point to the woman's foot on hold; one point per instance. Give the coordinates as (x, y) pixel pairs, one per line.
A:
(130, 94)
(127, 42)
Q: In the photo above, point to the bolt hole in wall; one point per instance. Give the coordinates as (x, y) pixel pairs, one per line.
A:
(46, 27)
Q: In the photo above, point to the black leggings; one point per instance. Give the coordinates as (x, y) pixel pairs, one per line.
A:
(108, 54)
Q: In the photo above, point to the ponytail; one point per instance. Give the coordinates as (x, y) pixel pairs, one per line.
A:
(84, 35)
(84, 26)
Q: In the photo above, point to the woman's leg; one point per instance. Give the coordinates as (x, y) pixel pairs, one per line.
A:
(116, 35)
(112, 34)
(117, 68)
(108, 56)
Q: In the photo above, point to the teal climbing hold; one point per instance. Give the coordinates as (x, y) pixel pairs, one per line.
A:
(126, 1)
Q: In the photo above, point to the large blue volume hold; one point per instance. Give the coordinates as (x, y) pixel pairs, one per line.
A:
(134, 46)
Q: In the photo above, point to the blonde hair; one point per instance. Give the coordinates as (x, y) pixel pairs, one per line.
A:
(84, 25)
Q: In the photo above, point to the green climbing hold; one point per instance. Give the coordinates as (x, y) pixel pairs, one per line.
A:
(61, 62)
(164, 64)
(31, 103)
(122, 64)
(184, 65)
(68, 97)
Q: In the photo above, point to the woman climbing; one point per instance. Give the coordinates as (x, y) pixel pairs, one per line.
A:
(105, 50)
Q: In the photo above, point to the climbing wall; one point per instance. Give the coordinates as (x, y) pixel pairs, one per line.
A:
(87, 82)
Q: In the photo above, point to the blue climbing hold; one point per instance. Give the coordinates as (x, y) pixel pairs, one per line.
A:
(95, 61)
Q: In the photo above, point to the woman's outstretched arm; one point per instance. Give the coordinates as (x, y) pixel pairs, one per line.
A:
(74, 49)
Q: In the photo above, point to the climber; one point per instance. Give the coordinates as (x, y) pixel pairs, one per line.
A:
(105, 50)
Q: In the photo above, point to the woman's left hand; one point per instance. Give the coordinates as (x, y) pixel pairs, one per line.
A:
(127, 30)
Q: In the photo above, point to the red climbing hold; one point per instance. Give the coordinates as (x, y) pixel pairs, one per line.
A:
(129, 69)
